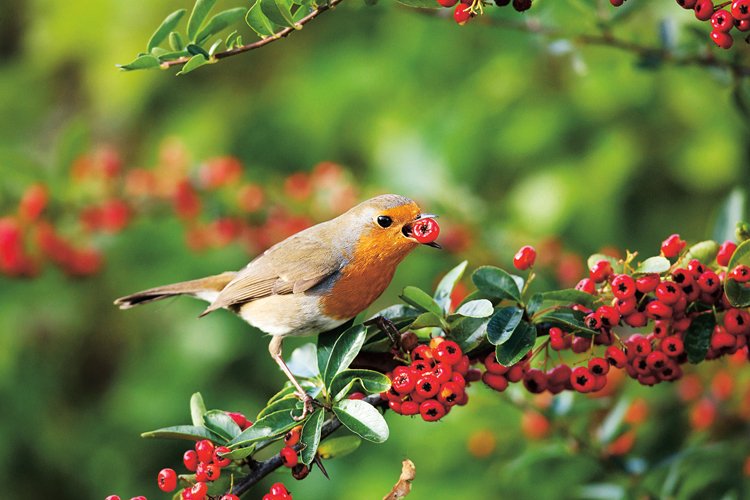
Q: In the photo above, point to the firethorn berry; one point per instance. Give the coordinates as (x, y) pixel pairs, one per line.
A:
(292, 437)
(404, 379)
(616, 3)
(205, 450)
(278, 489)
(593, 321)
(490, 361)
(201, 472)
(741, 10)
(656, 360)
(431, 410)
(687, 4)
(668, 293)
(199, 490)
(449, 393)
(673, 245)
(218, 459)
(535, 381)
(288, 456)
(598, 366)
(239, 419)
(636, 319)
(422, 352)
(623, 286)
(190, 459)
(409, 408)
(212, 472)
(300, 471)
(647, 283)
(230, 496)
(616, 357)
(740, 274)
(448, 352)
(521, 5)
(704, 9)
(112, 497)
(579, 345)
(626, 306)
(582, 379)
(442, 372)
(658, 310)
(556, 339)
(427, 386)
(559, 375)
(600, 271)
(737, 322)
(722, 20)
(586, 285)
(495, 381)
(425, 230)
(672, 346)
(524, 258)
(726, 250)
(608, 315)
(167, 480)
(722, 39)
(462, 13)
(447, 3)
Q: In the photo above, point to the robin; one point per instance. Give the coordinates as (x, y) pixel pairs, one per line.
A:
(313, 281)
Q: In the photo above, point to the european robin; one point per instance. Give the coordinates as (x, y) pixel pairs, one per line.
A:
(315, 280)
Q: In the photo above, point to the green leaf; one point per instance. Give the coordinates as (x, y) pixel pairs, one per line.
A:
(371, 381)
(310, 436)
(188, 432)
(503, 323)
(193, 63)
(399, 313)
(176, 42)
(496, 283)
(593, 259)
(231, 40)
(344, 351)
(287, 403)
(258, 21)
(568, 318)
(516, 347)
(421, 300)
(362, 419)
(427, 320)
(481, 308)
(737, 293)
(240, 453)
(168, 25)
(144, 61)
(566, 297)
(196, 50)
(704, 251)
(468, 332)
(698, 337)
(447, 284)
(278, 11)
(338, 447)
(271, 425)
(656, 265)
(421, 4)
(730, 213)
(198, 16)
(221, 424)
(197, 409)
(220, 21)
(303, 361)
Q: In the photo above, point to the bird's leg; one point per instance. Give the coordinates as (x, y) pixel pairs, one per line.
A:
(274, 347)
(386, 326)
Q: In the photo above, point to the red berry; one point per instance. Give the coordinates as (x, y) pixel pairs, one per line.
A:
(230, 496)
(422, 352)
(515, 373)
(278, 489)
(580, 344)
(201, 472)
(635, 319)
(300, 471)
(559, 375)
(427, 386)
(672, 346)
(447, 3)
(593, 321)
(205, 450)
(616, 357)
(190, 459)
(673, 245)
(741, 10)
(726, 250)
(556, 339)
(112, 497)
(598, 366)
(425, 230)
(687, 4)
(448, 352)
(403, 380)
(218, 459)
(600, 271)
(704, 9)
(658, 310)
(722, 39)
(199, 491)
(239, 419)
(740, 274)
(656, 360)
(490, 362)
(524, 258)
(668, 292)
(722, 20)
(462, 13)
(737, 322)
(495, 381)
(357, 395)
(409, 408)
(616, 3)
(449, 393)
(33, 202)
(586, 285)
(721, 339)
(288, 456)
(535, 381)
(212, 471)
(626, 306)
(647, 283)
(442, 372)
(167, 480)
(623, 286)
(431, 410)
(292, 437)
(582, 379)
(609, 316)
(708, 282)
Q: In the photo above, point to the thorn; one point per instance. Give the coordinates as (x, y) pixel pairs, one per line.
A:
(319, 463)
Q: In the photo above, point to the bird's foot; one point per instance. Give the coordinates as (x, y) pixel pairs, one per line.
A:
(307, 405)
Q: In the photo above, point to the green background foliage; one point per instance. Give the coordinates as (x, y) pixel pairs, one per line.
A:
(512, 135)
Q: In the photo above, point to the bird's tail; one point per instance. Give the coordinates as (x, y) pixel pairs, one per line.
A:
(203, 288)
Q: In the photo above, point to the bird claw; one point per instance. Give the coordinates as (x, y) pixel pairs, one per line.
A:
(307, 406)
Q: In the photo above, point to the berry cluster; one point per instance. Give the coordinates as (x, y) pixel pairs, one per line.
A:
(289, 456)
(722, 20)
(665, 306)
(434, 382)
(464, 10)
(206, 462)
(278, 492)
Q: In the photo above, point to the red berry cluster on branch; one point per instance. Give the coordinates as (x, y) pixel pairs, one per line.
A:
(434, 382)
(278, 492)
(464, 10)
(289, 455)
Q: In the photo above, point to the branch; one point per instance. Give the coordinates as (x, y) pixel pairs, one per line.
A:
(265, 41)
(259, 470)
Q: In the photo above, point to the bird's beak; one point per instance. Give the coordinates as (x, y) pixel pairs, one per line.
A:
(427, 216)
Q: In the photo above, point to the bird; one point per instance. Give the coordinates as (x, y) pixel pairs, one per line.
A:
(314, 280)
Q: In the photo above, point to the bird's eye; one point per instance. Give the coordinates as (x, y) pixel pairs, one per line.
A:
(384, 221)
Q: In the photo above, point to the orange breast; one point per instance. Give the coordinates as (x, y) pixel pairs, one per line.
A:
(366, 276)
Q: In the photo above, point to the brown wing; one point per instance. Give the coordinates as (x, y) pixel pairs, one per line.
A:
(292, 266)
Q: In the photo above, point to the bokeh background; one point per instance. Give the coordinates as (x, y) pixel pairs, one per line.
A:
(512, 138)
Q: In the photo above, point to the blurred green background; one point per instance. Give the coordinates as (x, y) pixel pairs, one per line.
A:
(516, 137)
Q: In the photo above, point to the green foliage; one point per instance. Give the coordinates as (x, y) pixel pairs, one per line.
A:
(737, 293)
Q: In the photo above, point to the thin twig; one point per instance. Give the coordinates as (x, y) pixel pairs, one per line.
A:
(265, 41)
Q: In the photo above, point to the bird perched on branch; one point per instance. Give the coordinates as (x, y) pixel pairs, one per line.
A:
(315, 280)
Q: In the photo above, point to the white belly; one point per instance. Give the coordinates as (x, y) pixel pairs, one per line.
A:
(293, 314)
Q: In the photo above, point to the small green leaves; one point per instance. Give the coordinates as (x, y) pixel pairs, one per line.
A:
(503, 323)
(656, 264)
(198, 16)
(338, 447)
(570, 319)
(698, 337)
(219, 22)
(221, 424)
(344, 350)
(481, 308)
(704, 251)
(310, 437)
(195, 62)
(447, 284)
(496, 283)
(143, 61)
(541, 301)
(362, 419)
(271, 425)
(258, 21)
(593, 259)
(421, 300)
(278, 11)
(197, 409)
(737, 293)
(167, 26)
(189, 432)
(422, 4)
(516, 347)
(371, 381)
